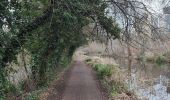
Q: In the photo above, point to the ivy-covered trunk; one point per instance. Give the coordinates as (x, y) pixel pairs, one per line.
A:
(2, 83)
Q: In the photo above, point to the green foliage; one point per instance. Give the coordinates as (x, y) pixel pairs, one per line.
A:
(50, 33)
(6, 87)
(112, 30)
(103, 70)
(65, 61)
(113, 86)
(113, 91)
(160, 59)
(32, 96)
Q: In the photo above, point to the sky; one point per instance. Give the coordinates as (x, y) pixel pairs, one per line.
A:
(156, 6)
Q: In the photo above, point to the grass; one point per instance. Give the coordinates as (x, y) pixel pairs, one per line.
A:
(103, 70)
(160, 59)
(105, 73)
(111, 78)
(32, 96)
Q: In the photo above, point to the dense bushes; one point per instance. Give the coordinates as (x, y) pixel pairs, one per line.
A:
(50, 31)
(8, 88)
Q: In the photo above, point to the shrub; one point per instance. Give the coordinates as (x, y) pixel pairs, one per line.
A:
(103, 70)
(160, 59)
(7, 89)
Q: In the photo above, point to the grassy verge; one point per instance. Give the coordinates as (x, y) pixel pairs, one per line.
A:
(112, 80)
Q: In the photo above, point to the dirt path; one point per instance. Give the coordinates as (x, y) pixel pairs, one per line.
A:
(81, 85)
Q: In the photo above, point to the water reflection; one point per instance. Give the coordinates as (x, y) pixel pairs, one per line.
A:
(155, 92)
(151, 81)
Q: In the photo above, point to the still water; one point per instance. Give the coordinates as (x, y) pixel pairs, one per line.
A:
(150, 81)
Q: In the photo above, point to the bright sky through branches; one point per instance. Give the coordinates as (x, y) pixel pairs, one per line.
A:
(156, 6)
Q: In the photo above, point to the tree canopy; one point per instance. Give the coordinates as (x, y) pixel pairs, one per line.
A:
(53, 29)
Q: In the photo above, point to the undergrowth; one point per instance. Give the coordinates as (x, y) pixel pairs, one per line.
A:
(160, 59)
(106, 74)
(30, 89)
(103, 70)
(52, 74)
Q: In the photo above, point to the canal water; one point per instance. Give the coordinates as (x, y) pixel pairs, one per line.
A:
(150, 81)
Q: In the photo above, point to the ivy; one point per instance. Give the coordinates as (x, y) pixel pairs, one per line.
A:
(49, 31)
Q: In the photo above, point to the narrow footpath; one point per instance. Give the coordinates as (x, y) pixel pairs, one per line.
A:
(81, 84)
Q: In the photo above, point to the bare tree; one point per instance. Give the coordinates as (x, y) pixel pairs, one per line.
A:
(135, 18)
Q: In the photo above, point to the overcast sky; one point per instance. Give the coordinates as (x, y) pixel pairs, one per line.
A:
(156, 5)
